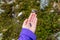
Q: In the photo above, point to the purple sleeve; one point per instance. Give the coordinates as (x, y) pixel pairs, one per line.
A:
(27, 35)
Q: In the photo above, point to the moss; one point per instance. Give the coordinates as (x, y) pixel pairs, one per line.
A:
(47, 22)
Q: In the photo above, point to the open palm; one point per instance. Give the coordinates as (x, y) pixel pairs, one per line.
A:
(31, 22)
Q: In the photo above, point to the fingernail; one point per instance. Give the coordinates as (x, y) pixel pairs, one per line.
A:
(34, 11)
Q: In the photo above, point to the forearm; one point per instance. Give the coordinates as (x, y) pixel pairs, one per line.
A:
(27, 35)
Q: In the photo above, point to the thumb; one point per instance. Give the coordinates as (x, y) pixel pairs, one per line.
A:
(25, 22)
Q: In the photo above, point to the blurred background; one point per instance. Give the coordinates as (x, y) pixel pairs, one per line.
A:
(14, 12)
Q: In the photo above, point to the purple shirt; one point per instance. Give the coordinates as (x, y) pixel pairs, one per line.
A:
(26, 34)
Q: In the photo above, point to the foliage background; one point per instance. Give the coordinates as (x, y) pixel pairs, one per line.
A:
(48, 23)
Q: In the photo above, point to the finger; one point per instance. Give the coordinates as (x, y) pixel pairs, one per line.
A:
(30, 16)
(25, 22)
(36, 21)
(33, 17)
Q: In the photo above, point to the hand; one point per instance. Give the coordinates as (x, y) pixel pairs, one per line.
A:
(31, 22)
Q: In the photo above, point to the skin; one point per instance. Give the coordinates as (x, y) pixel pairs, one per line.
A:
(30, 23)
